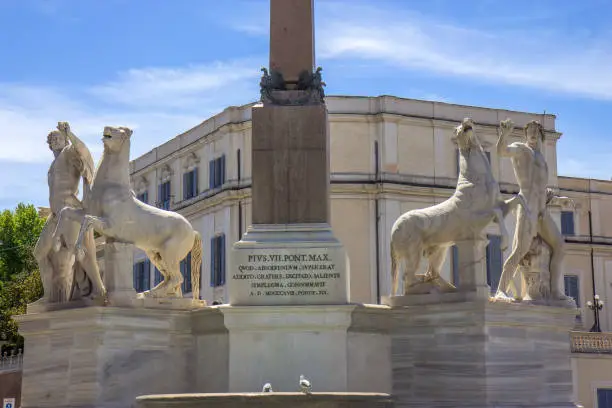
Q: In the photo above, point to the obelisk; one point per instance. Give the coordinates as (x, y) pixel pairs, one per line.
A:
(289, 255)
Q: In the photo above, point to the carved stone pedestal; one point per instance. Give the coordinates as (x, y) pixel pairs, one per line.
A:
(104, 357)
(479, 353)
(343, 348)
(288, 264)
(473, 267)
(268, 400)
(118, 279)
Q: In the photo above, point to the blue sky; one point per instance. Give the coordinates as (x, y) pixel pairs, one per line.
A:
(162, 66)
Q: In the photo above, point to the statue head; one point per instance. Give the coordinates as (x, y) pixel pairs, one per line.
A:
(534, 133)
(56, 141)
(465, 134)
(114, 137)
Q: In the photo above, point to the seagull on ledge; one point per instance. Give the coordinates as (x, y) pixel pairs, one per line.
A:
(305, 385)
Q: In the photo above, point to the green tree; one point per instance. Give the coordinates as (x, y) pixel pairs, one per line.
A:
(19, 231)
(15, 294)
(20, 282)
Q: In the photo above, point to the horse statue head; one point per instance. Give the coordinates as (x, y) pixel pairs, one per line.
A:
(114, 138)
(465, 134)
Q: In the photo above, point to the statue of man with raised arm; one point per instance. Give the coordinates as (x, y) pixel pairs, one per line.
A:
(63, 277)
(533, 217)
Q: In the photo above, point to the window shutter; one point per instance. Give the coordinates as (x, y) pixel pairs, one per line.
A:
(455, 265)
(194, 183)
(222, 260)
(147, 275)
(158, 276)
(567, 223)
(135, 273)
(494, 261)
(222, 169)
(211, 174)
(186, 186)
(160, 198)
(212, 262)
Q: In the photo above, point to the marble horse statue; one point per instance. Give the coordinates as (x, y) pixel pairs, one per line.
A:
(428, 232)
(113, 210)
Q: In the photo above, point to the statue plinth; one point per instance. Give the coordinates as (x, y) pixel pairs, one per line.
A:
(479, 353)
(118, 261)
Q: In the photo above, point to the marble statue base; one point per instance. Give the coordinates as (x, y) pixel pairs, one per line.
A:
(288, 264)
(104, 357)
(339, 348)
(477, 353)
(268, 399)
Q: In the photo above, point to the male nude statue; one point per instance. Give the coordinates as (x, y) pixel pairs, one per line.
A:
(64, 279)
(532, 217)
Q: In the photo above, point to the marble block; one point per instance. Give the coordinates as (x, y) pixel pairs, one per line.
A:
(339, 348)
(480, 353)
(294, 264)
(268, 400)
(104, 357)
(118, 273)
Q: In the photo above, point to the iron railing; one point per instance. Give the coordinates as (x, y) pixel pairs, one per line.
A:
(11, 362)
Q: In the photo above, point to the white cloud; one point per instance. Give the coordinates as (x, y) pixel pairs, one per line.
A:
(184, 88)
(157, 103)
(531, 57)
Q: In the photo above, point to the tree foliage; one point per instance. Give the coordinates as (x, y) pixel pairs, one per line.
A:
(20, 282)
(19, 231)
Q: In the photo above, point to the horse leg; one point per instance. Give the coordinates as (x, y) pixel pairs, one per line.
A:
(175, 278)
(99, 224)
(158, 262)
(436, 260)
(412, 261)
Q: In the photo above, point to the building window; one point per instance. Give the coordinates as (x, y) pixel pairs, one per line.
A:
(190, 184)
(604, 398)
(494, 261)
(455, 265)
(216, 172)
(164, 195)
(158, 277)
(186, 272)
(572, 287)
(144, 197)
(567, 222)
(141, 276)
(217, 261)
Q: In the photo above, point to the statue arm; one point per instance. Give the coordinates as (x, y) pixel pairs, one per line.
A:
(504, 150)
(81, 151)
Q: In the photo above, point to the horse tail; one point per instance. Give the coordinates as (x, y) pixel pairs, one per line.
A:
(196, 263)
(394, 272)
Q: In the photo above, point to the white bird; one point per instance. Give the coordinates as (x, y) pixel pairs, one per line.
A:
(305, 385)
(267, 388)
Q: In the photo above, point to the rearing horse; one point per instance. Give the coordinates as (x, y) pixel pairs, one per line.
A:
(430, 231)
(113, 210)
